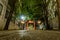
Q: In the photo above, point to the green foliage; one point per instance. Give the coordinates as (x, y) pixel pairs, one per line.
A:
(32, 8)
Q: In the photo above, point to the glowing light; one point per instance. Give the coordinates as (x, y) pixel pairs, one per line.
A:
(39, 21)
(22, 17)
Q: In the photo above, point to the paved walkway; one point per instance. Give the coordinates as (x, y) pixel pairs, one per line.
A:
(29, 35)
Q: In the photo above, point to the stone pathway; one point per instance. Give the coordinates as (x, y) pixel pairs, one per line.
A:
(29, 35)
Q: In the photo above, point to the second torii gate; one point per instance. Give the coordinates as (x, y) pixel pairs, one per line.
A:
(31, 22)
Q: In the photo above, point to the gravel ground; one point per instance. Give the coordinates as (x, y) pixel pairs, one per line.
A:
(29, 35)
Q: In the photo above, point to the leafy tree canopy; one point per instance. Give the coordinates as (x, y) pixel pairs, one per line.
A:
(32, 8)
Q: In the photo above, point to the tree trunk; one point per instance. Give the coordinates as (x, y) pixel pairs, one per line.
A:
(46, 20)
(46, 15)
(58, 12)
(8, 21)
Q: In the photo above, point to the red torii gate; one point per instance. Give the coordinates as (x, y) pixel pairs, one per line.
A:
(32, 22)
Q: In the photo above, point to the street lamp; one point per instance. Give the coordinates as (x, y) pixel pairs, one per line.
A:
(22, 17)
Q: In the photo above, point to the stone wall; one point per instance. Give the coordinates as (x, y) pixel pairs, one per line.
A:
(13, 26)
